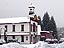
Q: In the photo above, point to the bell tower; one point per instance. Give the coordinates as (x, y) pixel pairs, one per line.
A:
(31, 11)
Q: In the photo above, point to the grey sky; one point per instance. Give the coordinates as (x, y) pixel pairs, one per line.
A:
(18, 8)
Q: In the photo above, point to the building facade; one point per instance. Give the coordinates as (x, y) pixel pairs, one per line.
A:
(23, 29)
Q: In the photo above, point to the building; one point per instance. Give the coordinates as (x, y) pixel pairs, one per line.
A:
(24, 29)
(45, 35)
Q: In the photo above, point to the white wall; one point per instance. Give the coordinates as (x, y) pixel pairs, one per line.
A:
(19, 38)
(26, 27)
(26, 41)
(9, 27)
(17, 27)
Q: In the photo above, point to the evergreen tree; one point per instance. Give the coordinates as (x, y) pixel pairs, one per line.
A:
(45, 21)
(42, 26)
(53, 27)
(49, 26)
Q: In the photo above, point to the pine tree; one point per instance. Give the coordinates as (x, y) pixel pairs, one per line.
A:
(53, 27)
(45, 21)
(49, 26)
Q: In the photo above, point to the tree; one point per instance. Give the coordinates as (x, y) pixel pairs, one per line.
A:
(45, 21)
(49, 26)
(53, 27)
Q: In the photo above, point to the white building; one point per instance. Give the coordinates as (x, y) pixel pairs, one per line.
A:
(23, 29)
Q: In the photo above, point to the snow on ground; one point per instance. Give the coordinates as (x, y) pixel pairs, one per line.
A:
(11, 45)
(40, 44)
(61, 45)
(43, 44)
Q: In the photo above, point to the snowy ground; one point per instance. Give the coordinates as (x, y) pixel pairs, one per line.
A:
(39, 44)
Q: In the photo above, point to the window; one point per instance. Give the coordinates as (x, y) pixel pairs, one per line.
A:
(33, 27)
(13, 28)
(22, 38)
(26, 37)
(22, 27)
(5, 28)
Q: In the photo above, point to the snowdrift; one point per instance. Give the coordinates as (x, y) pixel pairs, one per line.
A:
(40, 44)
(11, 45)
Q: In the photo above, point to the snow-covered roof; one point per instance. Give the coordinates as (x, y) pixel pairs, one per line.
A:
(14, 20)
(51, 39)
(46, 31)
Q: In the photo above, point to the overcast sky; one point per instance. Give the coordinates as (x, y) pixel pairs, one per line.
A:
(18, 8)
